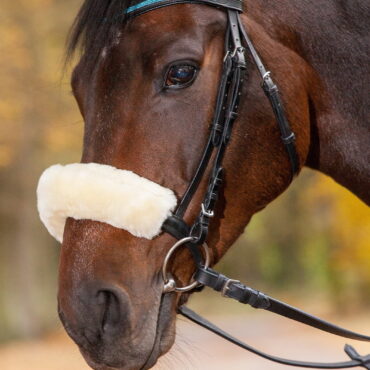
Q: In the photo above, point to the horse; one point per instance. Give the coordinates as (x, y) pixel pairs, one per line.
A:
(146, 87)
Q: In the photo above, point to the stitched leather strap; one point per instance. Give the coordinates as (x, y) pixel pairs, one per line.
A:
(272, 93)
(244, 294)
(226, 110)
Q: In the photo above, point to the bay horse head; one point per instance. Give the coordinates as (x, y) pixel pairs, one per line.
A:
(147, 87)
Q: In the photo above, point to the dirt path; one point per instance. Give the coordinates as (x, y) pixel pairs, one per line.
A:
(197, 349)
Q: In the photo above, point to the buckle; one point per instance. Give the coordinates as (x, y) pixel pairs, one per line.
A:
(238, 50)
(288, 139)
(206, 213)
(266, 76)
(238, 56)
(225, 288)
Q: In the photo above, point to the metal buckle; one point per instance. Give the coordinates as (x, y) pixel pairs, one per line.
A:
(169, 282)
(238, 49)
(266, 75)
(209, 214)
(225, 288)
(289, 139)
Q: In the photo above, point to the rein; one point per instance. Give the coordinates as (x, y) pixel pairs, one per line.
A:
(194, 237)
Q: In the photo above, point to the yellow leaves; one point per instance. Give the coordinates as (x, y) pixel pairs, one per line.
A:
(37, 114)
(11, 34)
(38, 4)
(8, 111)
(314, 237)
(6, 155)
(14, 53)
(63, 137)
(348, 225)
(30, 6)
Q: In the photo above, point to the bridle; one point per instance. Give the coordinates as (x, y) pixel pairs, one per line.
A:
(194, 237)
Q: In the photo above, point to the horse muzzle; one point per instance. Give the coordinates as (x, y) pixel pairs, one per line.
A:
(100, 322)
(110, 298)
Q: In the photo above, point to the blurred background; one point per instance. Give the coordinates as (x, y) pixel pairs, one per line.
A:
(311, 246)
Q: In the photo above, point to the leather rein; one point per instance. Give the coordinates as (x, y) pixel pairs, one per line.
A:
(194, 237)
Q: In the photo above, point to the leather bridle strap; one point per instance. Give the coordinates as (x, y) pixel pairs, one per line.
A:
(227, 105)
(244, 294)
(272, 93)
(225, 109)
(236, 290)
(357, 359)
(227, 102)
(220, 130)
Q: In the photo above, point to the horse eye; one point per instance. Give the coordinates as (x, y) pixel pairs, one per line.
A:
(180, 76)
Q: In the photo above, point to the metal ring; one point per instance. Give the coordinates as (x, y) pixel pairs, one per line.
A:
(169, 282)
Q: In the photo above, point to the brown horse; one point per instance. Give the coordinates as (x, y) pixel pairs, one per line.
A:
(110, 286)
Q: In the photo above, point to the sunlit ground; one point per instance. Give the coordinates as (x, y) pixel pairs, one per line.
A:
(196, 348)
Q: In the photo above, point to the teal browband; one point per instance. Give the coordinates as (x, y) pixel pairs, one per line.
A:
(140, 5)
(144, 6)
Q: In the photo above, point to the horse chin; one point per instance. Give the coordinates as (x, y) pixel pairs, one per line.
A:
(140, 364)
(117, 357)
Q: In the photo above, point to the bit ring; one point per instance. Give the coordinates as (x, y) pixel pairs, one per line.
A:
(169, 282)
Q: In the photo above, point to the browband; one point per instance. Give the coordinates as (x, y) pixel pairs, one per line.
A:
(140, 7)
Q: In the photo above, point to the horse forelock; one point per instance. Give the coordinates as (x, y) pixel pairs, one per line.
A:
(94, 28)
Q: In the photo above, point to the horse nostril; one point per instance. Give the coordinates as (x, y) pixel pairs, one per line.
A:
(95, 314)
(110, 309)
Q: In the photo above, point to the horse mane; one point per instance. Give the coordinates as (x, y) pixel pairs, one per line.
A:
(94, 27)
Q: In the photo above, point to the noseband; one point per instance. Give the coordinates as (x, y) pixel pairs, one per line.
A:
(193, 237)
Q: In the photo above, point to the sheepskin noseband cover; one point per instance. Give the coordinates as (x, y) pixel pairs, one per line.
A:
(102, 193)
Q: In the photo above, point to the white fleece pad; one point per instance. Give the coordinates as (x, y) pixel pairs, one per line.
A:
(102, 193)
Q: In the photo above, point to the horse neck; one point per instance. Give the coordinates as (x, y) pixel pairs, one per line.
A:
(331, 40)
